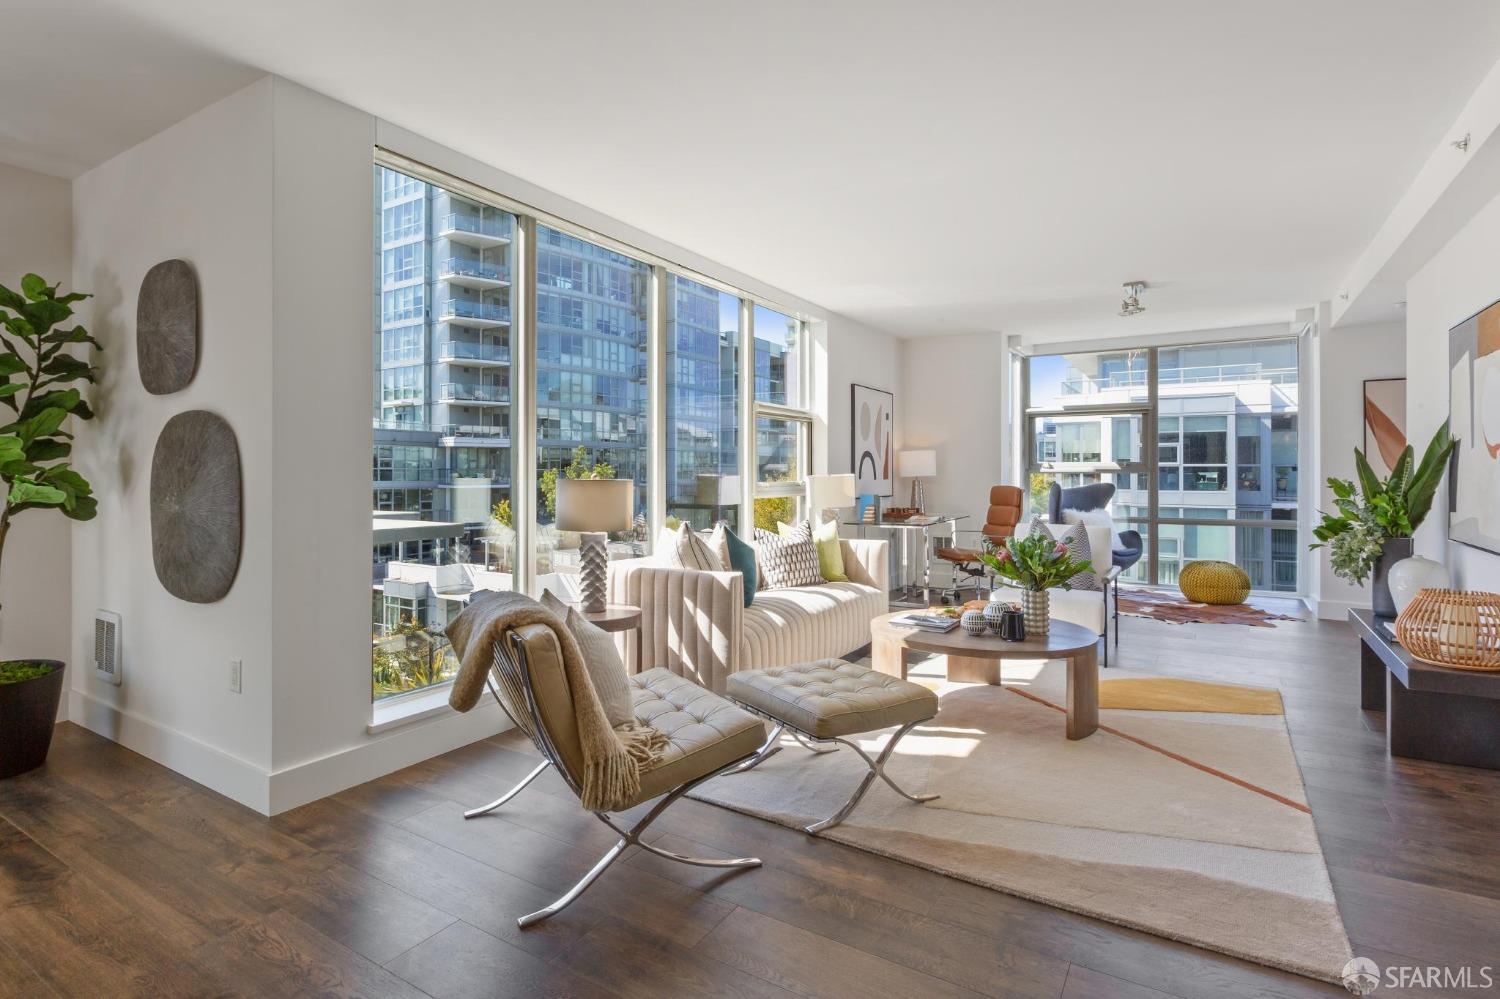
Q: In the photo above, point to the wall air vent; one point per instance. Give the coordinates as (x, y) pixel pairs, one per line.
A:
(107, 663)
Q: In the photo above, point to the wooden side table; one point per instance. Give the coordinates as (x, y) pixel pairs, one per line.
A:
(615, 618)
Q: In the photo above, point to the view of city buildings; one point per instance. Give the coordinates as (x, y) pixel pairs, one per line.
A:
(444, 423)
(1226, 449)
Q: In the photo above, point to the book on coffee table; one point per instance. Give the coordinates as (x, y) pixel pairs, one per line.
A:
(927, 622)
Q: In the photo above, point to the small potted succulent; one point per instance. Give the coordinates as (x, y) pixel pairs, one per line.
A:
(36, 366)
(1035, 563)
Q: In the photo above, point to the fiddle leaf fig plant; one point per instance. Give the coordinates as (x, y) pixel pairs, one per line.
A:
(37, 395)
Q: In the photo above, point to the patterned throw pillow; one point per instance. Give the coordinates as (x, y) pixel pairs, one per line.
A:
(789, 561)
(685, 549)
(1076, 538)
(830, 555)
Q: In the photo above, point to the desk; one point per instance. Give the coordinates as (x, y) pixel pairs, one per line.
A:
(1431, 712)
(906, 531)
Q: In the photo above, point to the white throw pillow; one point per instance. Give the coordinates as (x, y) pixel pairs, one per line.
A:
(1094, 518)
(686, 549)
(605, 667)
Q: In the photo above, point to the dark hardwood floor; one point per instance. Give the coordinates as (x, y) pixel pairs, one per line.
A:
(119, 877)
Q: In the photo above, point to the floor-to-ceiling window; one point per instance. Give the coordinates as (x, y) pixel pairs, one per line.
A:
(443, 421)
(503, 335)
(1218, 477)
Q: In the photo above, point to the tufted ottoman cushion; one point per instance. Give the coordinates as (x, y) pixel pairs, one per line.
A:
(704, 731)
(832, 697)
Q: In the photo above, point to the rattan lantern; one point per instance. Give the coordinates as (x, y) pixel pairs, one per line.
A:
(1459, 629)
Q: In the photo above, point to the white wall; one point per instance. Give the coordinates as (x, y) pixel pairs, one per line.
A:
(950, 400)
(1346, 357)
(857, 355)
(1459, 280)
(201, 191)
(36, 214)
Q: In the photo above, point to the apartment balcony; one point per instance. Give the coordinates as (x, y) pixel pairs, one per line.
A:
(483, 315)
(479, 355)
(473, 273)
(472, 394)
(400, 398)
(471, 435)
(1211, 374)
(472, 230)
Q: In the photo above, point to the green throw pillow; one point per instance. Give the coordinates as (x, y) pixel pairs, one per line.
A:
(741, 558)
(830, 555)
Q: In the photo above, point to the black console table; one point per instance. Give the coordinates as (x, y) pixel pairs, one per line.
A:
(1431, 712)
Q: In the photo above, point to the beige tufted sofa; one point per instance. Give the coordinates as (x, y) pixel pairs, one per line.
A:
(696, 624)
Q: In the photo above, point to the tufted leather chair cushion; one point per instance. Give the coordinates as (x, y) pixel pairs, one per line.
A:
(1003, 513)
(832, 697)
(704, 731)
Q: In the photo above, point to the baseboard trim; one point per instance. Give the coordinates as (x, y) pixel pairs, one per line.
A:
(1333, 610)
(381, 754)
(196, 760)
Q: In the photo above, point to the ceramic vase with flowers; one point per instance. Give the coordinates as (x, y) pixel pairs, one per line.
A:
(1036, 564)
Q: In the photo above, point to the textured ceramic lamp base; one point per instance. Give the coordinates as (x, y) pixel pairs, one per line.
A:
(593, 575)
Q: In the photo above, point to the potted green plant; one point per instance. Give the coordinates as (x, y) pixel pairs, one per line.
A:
(1376, 518)
(36, 368)
(1035, 563)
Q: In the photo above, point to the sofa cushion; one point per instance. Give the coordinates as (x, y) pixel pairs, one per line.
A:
(788, 561)
(684, 548)
(1085, 608)
(832, 697)
(826, 541)
(804, 623)
(737, 556)
(704, 731)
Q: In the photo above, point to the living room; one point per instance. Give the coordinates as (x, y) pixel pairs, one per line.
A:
(840, 499)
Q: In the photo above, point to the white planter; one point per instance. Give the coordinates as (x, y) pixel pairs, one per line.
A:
(1411, 576)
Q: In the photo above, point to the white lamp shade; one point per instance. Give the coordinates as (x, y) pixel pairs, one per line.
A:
(595, 505)
(917, 464)
(826, 492)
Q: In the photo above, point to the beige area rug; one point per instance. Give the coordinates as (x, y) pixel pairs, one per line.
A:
(1189, 825)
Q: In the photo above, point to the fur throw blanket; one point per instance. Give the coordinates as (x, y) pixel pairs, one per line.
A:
(612, 758)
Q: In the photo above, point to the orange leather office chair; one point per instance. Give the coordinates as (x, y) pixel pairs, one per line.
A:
(1000, 521)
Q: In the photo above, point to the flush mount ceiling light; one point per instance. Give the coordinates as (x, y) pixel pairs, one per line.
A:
(1131, 305)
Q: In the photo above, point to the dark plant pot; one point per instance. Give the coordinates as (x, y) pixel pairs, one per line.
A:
(1392, 551)
(28, 713)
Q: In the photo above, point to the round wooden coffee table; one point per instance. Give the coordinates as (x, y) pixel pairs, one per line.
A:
(977, 659)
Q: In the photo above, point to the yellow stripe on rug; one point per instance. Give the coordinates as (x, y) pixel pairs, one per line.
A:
(1164, 694)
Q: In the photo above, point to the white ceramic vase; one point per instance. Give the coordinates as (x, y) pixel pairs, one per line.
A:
(1411, 576)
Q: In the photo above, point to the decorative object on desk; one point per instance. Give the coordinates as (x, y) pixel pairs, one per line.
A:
(1170, 608)
(898, 514)
(1377, 517)
(1036, 563)
(1411, 576)
(166, 327)
(196, 509)
(868, 509)
(872, 431)
(829, 492)
(594, 507)
(1474, 412)
(974, 622)
(1213, 582)
(917, 465)
(1385, 422)
(1459, 629)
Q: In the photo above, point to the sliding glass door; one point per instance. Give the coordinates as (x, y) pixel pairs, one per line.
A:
(1200, 440)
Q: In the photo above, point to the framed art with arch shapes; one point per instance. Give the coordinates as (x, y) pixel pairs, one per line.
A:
(872, 428)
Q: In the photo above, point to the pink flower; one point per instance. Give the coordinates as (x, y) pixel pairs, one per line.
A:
(1061, 549)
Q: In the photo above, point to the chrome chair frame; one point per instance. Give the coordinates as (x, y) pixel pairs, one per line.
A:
(811, 742)
(514, 660)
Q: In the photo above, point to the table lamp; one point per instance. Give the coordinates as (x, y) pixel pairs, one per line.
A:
(829, 492)
(593, 508)
(917, 465)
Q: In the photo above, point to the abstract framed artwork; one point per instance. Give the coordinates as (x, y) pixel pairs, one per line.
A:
(871, 428)
(1474, 415)
(1385, 422)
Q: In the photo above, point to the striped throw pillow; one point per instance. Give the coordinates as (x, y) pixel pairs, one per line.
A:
(685, 549)
(788, 561)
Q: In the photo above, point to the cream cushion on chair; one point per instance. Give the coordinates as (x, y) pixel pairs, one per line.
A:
(704, 731)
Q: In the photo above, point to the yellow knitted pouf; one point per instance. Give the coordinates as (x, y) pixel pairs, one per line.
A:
(1214, 583)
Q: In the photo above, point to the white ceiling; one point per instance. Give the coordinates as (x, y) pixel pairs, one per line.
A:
(924, 167)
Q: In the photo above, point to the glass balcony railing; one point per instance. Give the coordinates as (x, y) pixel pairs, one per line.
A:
(457, 350)
(457, 267)
(494, 228)
(470, 392)
(1202, 375)
(474, 430)
(457, 308)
